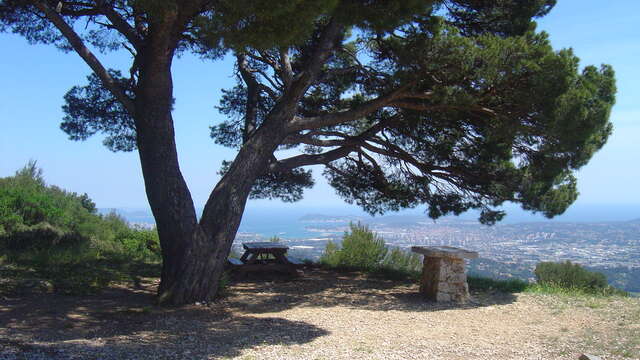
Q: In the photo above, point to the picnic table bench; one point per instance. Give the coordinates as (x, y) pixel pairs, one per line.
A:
(265, 256)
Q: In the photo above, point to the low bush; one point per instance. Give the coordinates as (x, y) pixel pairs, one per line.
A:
(398, 259)
(553, 289)
(141, 243)
(567, 275)
(363, 250)
(41, 236)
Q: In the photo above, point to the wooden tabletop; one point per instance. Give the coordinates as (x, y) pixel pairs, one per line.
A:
(265, 245)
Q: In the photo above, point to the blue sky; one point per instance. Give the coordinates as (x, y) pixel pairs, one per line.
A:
(34, 79)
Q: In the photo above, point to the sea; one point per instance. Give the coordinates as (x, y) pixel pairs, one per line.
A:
(294, 222)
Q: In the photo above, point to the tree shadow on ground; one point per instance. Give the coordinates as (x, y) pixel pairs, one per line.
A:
(260, 293)
(121, 323)
(85, 277)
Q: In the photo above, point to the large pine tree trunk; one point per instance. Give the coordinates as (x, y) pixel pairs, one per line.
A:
(193, 253)
(189, 271)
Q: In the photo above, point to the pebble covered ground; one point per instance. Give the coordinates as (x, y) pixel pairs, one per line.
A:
(320, 315)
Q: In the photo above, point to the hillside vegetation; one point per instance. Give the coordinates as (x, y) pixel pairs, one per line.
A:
(49, 233)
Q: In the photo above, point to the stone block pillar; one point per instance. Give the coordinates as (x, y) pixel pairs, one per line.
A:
(444, 277)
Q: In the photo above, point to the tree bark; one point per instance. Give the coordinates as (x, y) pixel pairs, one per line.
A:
(195, 254)
(189, 272)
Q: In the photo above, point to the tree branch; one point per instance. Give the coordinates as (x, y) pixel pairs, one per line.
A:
(272, 93)
(285, 68)
(295, 139)
(102, 8)
(422, 95)
(347, 145)
(271, 81)
(379, 173)
(121, 25)
(458, 176)
(310, 140)
(82, 12)
(251, 108)
(332, 119)
(322, 51)
(93, 62)
(264, 58)
(423, 107)
(315, 159)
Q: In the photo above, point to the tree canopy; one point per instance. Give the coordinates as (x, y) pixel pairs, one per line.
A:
(454, 104)
(426, 115)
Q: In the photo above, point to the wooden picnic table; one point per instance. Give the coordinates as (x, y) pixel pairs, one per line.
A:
(266, 256)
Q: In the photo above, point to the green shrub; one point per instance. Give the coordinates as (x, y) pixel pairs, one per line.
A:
(330, 256)
(40, 222)
(565, 276)
(569, 275)
(55, 235)
(551, 288)
(398, 259)
(363, 250)
(40, 237)
(140, 242)
(25, 200)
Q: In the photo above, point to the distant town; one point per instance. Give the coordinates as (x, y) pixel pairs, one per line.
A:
(506, 251)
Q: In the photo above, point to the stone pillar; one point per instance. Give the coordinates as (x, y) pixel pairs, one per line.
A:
(444, 277)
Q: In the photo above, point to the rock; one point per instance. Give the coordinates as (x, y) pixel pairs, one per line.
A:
(589, 357)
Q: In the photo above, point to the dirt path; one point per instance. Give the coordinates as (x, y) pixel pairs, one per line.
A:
(322, 315)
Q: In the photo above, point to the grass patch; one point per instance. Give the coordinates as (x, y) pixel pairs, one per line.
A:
(548, 288)
(390, 273)
(85, 277)
(486, 284)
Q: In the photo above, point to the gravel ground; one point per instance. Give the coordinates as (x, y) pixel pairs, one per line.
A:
(321, 315)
